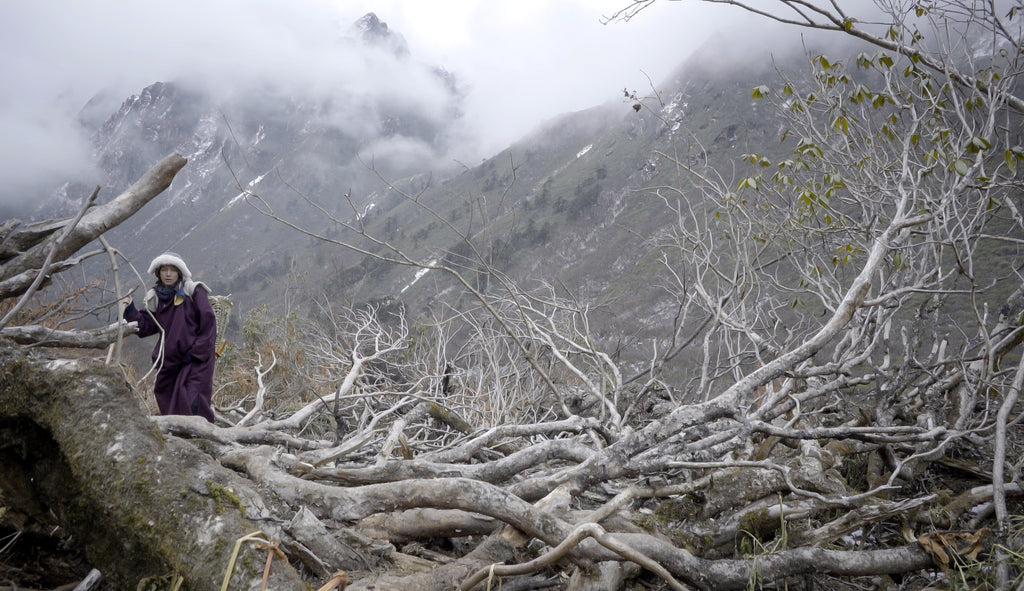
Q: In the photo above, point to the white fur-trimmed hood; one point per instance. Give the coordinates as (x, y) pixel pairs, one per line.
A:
(175, 260)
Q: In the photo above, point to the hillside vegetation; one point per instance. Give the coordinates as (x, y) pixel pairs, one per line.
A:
(759, 330)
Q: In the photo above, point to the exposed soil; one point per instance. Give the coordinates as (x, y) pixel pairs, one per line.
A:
(30, 561)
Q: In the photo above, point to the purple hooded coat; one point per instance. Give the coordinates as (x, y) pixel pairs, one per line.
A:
(184, 385)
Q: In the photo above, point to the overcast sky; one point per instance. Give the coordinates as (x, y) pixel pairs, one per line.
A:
(523, 61)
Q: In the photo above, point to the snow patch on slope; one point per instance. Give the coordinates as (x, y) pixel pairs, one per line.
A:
(238, 197)
(420, 273)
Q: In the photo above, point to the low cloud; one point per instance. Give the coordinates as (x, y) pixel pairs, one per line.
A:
(518, 63)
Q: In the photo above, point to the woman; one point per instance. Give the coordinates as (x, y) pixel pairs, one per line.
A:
(179, 307)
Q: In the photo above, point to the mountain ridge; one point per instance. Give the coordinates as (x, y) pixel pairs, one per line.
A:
(567, 204)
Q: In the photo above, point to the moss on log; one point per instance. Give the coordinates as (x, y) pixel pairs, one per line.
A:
(142, 505)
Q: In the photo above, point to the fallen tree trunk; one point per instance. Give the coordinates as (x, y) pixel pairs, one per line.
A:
(15, 277)
(17, 237)
(122, 488)
(96, 338)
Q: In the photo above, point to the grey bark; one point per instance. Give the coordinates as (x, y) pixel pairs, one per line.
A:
(603, 576)
(92, 225)
(17, 237)
(80, 339)
(119, 486)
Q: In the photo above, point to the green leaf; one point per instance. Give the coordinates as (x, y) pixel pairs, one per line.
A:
(760, 92)
(748, 182)
(961, 167)
(807, 146)
(860, 92)
(977, 144)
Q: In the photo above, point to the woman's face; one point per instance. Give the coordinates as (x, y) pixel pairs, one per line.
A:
(168, 275)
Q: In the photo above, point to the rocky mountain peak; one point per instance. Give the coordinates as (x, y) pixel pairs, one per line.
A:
(285, 143)
(375, 32)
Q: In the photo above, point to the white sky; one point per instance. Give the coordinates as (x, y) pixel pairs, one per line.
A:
(528, 60)
(523, 61)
